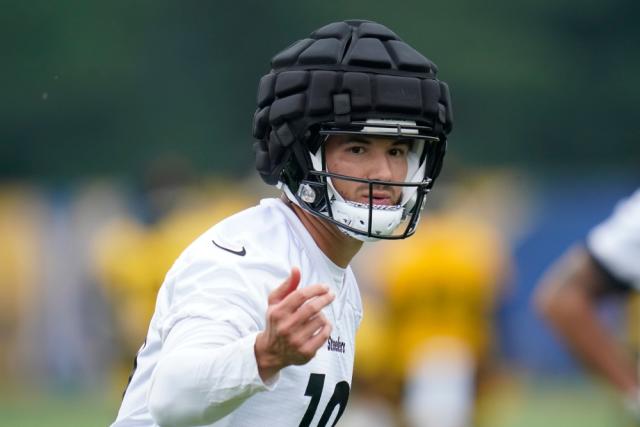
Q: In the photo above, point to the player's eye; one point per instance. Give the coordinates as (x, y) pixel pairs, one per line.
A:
(398, 151)
(356, 149)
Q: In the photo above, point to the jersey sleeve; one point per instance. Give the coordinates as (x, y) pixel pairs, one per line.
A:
(615, 243)
(219, 290)
(215, 309)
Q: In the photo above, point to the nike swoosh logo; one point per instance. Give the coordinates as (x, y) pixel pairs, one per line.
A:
(243, 252)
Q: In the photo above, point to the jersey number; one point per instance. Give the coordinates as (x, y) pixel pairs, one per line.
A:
(314, 390)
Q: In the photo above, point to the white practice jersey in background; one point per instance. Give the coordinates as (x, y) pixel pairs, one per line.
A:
(213, 302)
(615, 243)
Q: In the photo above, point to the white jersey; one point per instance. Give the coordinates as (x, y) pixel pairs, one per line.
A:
(209, 310)
(615, 243)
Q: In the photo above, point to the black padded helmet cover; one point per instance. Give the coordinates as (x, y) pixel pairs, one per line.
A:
(344, 72)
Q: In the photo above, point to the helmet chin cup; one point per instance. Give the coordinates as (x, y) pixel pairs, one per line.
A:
(361, 221)
(384, 219)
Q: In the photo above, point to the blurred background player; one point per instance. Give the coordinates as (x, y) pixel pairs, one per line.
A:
(429, 339)
(22, 213)
(571, 291)
(133, 251)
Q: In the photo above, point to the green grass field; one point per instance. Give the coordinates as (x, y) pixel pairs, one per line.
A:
(553, 404)
(512, 404)
(49, 410)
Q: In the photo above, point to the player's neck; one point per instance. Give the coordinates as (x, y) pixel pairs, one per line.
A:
(336, 245)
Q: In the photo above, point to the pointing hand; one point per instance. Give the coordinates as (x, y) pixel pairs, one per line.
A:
(296, 328)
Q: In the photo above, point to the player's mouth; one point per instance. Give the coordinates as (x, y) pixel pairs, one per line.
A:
(380, 198)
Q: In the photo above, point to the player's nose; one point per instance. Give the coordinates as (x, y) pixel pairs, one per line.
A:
(380, 167)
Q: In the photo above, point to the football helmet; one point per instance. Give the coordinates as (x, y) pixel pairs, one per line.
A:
(351, 78)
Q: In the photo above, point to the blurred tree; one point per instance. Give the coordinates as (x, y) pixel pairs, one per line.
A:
(100, 87)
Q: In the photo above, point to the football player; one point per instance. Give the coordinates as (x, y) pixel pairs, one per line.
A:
(22, 225)
(432, 341)
(568, 295)
(255, 321)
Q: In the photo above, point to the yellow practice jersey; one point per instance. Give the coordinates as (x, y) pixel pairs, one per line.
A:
(440, 283)
(132, 259)
(22, 226)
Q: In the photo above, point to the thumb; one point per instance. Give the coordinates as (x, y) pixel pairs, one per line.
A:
(288, 286)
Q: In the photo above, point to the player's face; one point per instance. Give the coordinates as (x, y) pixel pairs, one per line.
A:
(367, 157)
